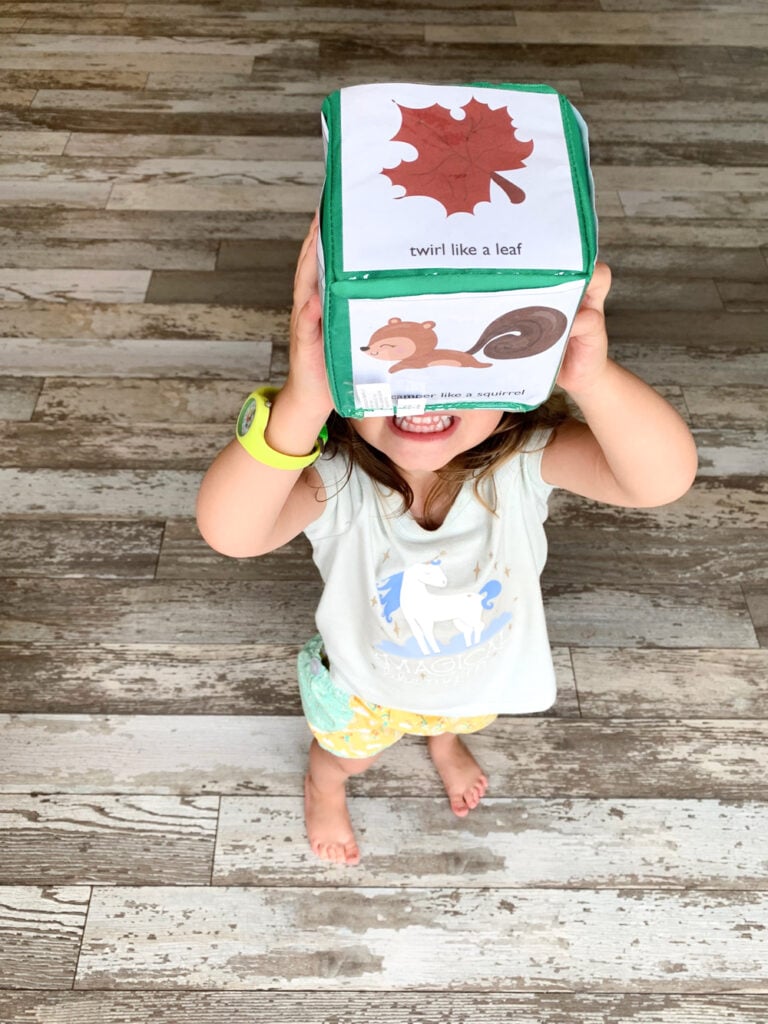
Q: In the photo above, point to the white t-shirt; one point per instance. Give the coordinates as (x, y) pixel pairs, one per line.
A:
(442, 622)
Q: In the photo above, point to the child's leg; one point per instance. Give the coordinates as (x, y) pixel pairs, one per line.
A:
(325, 804)
(462, 776)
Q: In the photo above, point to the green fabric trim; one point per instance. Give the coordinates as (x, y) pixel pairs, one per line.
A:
(577, 159)
(391, 284)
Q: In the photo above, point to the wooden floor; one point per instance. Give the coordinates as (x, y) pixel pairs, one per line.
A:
(160, 163)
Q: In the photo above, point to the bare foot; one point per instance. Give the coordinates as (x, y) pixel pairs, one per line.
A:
(464, 782)
(328, 826)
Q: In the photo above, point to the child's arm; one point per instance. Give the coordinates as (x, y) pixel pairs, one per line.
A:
(634, 450)
(244, 507)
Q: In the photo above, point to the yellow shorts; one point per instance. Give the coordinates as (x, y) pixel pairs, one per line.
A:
(349, 726)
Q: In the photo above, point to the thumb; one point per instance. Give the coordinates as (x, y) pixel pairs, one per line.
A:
(598, 288)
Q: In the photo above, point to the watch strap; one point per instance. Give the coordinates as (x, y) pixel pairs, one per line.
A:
(251, 427)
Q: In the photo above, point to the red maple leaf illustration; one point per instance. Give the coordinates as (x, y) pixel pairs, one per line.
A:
(458, 160)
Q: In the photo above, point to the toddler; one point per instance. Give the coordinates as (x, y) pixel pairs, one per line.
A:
(428, 533)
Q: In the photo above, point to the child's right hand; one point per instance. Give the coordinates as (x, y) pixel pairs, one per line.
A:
(307, 382)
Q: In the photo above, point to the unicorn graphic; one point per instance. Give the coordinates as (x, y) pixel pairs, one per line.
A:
(422, 609)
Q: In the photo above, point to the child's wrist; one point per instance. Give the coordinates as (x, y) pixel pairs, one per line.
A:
(591, 387)
(294, 425)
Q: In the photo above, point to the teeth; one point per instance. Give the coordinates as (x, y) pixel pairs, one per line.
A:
(423, 424)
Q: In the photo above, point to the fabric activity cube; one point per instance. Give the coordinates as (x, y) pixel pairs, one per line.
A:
(457, 237)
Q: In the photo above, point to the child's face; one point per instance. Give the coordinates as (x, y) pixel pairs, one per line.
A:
(430, 441)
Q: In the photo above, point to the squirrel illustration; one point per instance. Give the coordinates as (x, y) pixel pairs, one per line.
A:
(513, 335)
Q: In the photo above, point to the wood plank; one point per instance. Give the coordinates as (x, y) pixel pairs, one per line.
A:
(652, 557)
(515, 844)
(150, 255)
(33, 142)
(723, 407)
(58, 79)
(295, 198)
(728, 234)
(54, 548)
(185, 555)
(82, 196)
(744, 296)
(283, 148)
(306, 168)
(40, 933)
(757, 602)
(631, 292)
(137, 840)
(103, 322)
(244, 611)
(701, 180)
(73, 445)
(46, 56)
(711, 504)
(32, 45)
(152, 679)
(158, 357)
(148, 1007)
(591, 615)
(149, 494)
(141, 226)
(665, 28)
(271, 283)
(18, 397)
(667, 684)
(176, 679)
(139, 400)
(710, 366)
(732, 451)
(221, 28)
(66, 285)
(734, 263)
(647, 203)
(238, 938)
(523, 757)
(706, 335)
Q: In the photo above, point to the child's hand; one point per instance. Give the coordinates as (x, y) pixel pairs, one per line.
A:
(307, 381)
(587, 353)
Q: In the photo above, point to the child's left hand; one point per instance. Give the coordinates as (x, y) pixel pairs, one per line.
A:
(587, 353)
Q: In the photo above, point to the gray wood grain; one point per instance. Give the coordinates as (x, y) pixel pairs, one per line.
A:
(79, 548)
(567, 844)
(141, 401)
(147, 1007)
(535, 757)
(661, 684)
(247, 611)
(176, 679)
(40, 934)
(70, 840)
(76, 445)
(395, 939)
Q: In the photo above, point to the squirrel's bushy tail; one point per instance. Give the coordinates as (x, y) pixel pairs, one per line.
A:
(522, 332)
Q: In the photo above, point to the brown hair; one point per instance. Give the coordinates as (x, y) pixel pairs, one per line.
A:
(478, 464)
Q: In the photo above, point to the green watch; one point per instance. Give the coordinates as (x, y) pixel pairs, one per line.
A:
(251, 427)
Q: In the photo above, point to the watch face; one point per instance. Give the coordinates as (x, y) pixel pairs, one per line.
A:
(246, 417)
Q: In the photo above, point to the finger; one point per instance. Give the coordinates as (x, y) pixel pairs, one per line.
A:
(307, 322)
(588, 323)
(305, 282)
(309, 243)
(598, 287)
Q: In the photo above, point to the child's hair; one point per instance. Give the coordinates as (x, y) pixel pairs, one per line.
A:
(478, 464)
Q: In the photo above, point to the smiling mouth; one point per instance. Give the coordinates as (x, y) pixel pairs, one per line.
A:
(425, 424)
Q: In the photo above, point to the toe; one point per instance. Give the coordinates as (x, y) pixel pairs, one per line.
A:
(459, 806)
